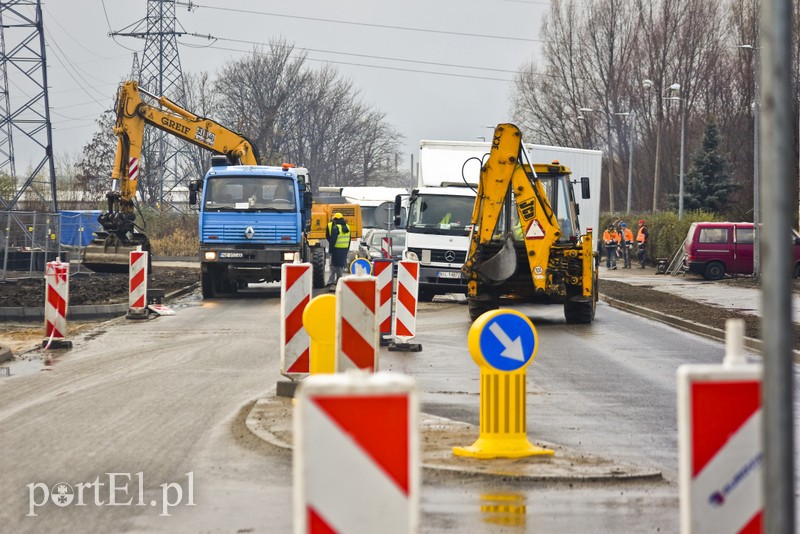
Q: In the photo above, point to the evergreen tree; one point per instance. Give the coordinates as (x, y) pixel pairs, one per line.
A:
(708, 184)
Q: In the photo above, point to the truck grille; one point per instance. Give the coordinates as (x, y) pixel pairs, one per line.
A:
(235, 233)
(441, 256)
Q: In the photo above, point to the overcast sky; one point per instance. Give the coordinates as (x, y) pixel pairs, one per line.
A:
(438, 69)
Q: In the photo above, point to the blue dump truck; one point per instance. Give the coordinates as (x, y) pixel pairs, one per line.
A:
(253, 218)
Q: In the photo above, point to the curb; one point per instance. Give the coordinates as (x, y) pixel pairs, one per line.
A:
(714, 333)
(270, 419)
(77, 313)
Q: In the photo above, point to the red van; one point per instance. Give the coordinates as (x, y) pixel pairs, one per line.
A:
(715, 249)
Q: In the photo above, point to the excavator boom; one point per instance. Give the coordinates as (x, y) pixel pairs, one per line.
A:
(109, 252)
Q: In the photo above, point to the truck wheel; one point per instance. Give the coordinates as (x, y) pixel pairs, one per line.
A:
(425, 296)
(318, 267)
(714, 271)
(478, 307)
(579, 310)
(207, 285)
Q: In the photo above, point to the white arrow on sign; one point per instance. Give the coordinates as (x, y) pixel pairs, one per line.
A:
(361, 268)
(512, 349)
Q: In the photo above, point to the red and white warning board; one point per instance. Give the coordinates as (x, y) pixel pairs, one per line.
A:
(720, 448)
(56, 299)
(534, 230)
(356, 454)
(383, 272)
(296, 281)
(405, 318)
(357, 323)
(137, 294)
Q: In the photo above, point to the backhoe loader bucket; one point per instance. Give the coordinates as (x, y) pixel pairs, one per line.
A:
(502, 265)
(110, 254)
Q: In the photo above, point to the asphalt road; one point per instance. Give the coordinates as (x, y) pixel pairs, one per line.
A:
(166, 398)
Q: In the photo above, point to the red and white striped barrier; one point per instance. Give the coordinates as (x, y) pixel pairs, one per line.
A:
(386, 247)
(296, 281)
(356, 455)
(383, 272)
(56, 303)
(720, 447)
(357, 323)
(405, 318)
(137, 287)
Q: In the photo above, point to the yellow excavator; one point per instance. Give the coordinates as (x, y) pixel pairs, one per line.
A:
(526, 244)
(109, 251)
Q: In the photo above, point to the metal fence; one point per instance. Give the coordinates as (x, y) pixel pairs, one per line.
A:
(32, 238)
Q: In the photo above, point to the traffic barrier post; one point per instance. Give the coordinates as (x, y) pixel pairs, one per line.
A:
(405, 318)
(720, 442)
(356, 456)
(503, 343)
(296, 283)
(56, 304)
(319, 320)
(383, 272)
(357, 323)
(137, 286)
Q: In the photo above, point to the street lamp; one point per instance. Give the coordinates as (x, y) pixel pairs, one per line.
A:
(631, 127)
(756, 185)
(675, 87)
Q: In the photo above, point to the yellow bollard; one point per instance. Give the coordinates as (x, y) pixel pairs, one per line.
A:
(503, 343)
(319, 320)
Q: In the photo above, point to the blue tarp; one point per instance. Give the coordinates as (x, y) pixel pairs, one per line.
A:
(77, 227)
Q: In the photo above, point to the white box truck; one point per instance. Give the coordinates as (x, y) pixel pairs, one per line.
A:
(440, 209)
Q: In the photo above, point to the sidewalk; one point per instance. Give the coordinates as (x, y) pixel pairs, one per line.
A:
(692, 287)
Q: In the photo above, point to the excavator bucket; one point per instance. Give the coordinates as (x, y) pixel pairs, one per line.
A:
(109, 254)
(502, 265)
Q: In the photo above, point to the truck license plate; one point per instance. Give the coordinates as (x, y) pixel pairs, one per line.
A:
(448, 274)
(231, 254)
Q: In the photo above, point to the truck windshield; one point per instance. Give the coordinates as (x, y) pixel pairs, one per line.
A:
(441, 214)
(253, 193)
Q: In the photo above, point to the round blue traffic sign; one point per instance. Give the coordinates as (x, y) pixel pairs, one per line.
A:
(360, 266)
(504, 340)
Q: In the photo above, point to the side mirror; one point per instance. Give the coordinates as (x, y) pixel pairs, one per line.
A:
(192, 197)
(397, 207)
(308, 201)
(585, 192)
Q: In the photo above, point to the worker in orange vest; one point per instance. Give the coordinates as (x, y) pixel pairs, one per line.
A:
(626, 242)
(642, 238)
(611, 242)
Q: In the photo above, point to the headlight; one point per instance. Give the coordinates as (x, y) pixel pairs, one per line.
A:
(211, 255)
(374, 254)
(288, 256)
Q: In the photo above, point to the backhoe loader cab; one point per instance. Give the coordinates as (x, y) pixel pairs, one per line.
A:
(526, 244)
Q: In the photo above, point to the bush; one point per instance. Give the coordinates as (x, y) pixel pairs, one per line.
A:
(171, 234)
(667, 233)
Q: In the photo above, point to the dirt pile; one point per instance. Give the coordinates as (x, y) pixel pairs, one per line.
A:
(87, 288)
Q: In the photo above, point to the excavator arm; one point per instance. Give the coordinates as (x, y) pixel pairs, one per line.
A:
(109, 252)
(506, 173)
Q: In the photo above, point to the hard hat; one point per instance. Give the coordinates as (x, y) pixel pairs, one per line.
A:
(623, 224)
(641, 221)
(338, 216)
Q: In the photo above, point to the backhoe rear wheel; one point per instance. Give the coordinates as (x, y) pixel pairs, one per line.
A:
(479, 306)
(579, 309)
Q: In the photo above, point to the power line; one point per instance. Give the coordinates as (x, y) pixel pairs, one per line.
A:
(192, 5)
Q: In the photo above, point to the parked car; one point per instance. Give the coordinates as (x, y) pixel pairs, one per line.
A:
(714, 249)
(370, 246)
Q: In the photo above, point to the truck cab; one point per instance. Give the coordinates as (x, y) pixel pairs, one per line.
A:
(438, 227)
(252, 219)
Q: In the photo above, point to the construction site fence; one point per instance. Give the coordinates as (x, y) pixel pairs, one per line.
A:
(30, 239)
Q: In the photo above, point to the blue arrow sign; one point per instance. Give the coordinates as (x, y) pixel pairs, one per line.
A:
(507, 341)
(360, 266)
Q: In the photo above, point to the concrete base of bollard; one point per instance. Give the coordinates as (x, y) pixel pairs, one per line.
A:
(138, 314)
(405, 347)
(57, 344)
(286, 388)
